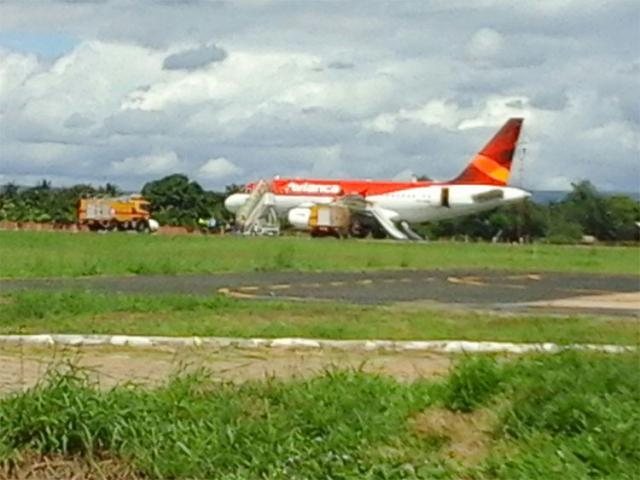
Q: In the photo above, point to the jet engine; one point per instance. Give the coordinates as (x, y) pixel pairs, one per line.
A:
(299, 218)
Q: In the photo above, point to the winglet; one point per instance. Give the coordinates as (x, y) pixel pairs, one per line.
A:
(492, 165)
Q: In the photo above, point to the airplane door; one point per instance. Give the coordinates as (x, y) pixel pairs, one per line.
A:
(444, 197)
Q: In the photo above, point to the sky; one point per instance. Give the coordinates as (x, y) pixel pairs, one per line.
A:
(125, 92)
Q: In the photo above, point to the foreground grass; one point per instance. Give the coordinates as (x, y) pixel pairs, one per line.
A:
(570, 416)
(47, 254)
(183, 315)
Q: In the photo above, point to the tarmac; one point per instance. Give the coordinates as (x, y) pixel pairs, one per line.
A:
(478, 289)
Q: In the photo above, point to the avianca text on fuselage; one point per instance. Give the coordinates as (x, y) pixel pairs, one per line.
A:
(304, 187)
(482, 185)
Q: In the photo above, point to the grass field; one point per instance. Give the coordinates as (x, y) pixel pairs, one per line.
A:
(569, 416)
(46, 254)
(174, 315)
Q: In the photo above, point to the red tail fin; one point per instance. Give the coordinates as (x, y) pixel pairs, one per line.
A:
(492, 165)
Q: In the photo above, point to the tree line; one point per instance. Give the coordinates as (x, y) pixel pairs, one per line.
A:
(176, 200)
(582, 212)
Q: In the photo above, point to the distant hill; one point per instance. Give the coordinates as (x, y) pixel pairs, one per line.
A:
(546, 197)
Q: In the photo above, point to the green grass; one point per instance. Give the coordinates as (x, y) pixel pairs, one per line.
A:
(47, 254)
(471, 385)
(182, 315)
(569, 416)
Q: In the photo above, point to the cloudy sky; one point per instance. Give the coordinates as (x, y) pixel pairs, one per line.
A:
(229, 91)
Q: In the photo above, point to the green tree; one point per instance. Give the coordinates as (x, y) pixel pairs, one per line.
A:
(586, 207)
(623, 213)
(10, 190)
(175, 200)
(109, 190)
(562, 229)
(232, 188)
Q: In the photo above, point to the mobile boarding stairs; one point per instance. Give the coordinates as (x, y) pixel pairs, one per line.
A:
(258, 215)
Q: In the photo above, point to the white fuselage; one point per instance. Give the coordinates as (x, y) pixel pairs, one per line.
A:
(413, 205)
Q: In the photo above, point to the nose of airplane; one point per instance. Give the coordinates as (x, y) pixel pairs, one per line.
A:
(235, 201)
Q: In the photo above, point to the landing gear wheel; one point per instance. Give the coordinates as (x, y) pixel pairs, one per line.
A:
(378, 234)
(142, 226)
(358, 230)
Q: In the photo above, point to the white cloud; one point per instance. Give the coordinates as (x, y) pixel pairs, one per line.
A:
(497, 109)
(485, 46)
(399, 86)
(14, 69)
(215, 168)
(437, 113)
(489, 48)
(451, 116)
(148, 165)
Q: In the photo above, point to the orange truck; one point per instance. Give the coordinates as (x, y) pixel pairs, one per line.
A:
(121, 213)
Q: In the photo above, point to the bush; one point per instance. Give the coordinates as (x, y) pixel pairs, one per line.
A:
(332, 426)
(572, 415)
(564, 232)
(472, 382)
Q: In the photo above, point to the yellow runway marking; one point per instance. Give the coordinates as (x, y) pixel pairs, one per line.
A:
(337, 284)
(406, 280)
(234, 294)
(248, 288)
(310, 285)
(364, 282)
(475, 281)
(242, 295)
(592, 291)
(528, 276)
(282, 286)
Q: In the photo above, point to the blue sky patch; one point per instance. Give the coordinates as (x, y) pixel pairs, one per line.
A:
(48, 45)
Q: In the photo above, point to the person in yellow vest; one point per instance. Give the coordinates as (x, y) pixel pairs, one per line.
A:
(207, 226)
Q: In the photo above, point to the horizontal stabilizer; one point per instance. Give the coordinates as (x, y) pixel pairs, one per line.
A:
(488, 196)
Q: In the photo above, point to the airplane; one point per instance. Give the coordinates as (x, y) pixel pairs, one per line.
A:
(387, 208)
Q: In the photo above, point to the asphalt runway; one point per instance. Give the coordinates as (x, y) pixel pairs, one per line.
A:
(490, 289)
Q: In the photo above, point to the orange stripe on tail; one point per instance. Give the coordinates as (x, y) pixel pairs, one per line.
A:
(492, 165)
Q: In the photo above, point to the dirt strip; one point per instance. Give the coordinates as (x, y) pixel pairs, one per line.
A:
(618, 301)
(23, 366)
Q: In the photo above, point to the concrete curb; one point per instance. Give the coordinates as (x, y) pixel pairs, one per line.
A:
(437, 346)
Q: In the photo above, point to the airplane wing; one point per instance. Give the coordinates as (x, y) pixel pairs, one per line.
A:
(355, 203)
